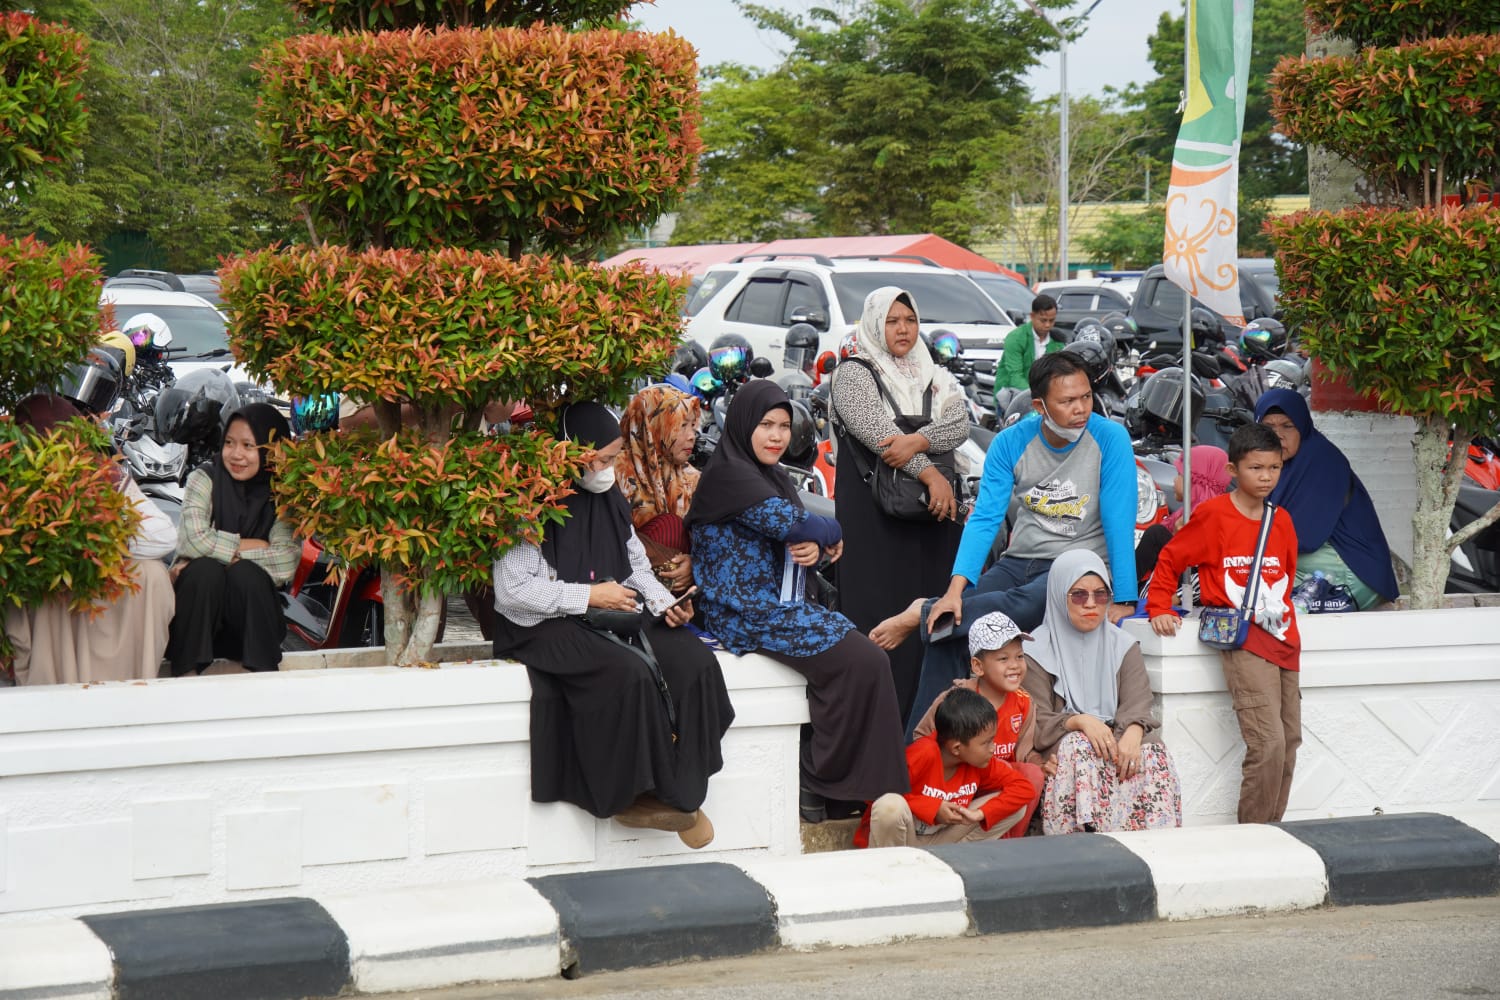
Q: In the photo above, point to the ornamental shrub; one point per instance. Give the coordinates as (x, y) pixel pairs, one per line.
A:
(448, 327)
(1369, 24)
(368, 15)
(67, 527)
(1427, 109)
(49, 313)
(502, 137)
(41, 95)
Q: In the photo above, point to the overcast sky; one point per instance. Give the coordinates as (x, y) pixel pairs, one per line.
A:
(1112, 52)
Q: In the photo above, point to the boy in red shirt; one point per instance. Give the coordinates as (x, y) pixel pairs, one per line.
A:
(1261, 676)
(998, 667)
(960, 791)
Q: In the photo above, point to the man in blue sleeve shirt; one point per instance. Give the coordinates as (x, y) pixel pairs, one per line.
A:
(1066, 477)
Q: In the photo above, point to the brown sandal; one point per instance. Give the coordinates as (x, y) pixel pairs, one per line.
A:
(650, 813)
(700, 834)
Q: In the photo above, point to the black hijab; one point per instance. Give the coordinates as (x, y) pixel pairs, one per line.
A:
(734, 480)
(590, 545)
(245, 508)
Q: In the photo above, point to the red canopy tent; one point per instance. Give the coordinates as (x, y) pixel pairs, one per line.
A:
(684, 260)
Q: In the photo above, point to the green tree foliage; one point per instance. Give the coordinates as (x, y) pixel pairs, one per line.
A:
(378, 15)
(41, 66)
(1128, 239)
(889, 105)
(1398, 301)
(171, 149)
(1270, 165)
(1384, 24)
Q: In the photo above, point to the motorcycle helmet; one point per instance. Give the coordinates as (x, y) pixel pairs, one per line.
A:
(1096, 359)
(1255, 341)
(729, 358)
(1276, 333)
(1284, 373)
(313, 414)
(197, 408)
(1121, 327)
(147, 330)
(1161, 398)
(1097, 332)
(705, 386)
(795, 384)
(801, 352)
(1205, 327)
(680, 382)
(804, 434)
(94, 383)
(945, 347)
(118, 341)
(1020, 406)
(688, 358)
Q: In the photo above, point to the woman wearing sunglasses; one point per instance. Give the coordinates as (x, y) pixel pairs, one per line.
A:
(1095, 736)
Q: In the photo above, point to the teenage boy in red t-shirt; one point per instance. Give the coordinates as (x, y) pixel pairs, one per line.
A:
(959, 790)
(1261, 676)
(998, 666)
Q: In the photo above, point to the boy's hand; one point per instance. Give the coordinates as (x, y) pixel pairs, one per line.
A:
(949, 814)
(1164, 624)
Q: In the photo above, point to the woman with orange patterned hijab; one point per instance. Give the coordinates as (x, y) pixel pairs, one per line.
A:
(660, 426)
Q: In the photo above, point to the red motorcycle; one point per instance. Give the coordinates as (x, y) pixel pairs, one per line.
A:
(325, 609)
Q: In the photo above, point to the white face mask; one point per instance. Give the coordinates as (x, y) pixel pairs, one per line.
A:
(598, 481)
(1069, 434)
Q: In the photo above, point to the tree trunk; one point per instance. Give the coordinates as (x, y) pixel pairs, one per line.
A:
(1439, 469)
(411, 621)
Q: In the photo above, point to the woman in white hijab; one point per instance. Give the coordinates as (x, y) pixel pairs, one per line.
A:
(894, 406)
(1095, 735)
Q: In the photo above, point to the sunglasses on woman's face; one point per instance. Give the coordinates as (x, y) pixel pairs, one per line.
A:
(1083, 597)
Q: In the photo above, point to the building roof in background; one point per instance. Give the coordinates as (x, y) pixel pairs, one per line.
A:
(683, 260)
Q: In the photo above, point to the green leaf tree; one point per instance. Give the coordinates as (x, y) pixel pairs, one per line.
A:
(452, 164)
(1397, 300)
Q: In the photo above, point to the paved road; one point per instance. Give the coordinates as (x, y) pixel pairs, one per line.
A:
(1420, 951)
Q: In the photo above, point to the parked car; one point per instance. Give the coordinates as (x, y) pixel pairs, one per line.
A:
(205, 286)
(1077, 301)
(1157, 309)
(1011, 295)
(1262, 271)
(760, 295)
(198, 329)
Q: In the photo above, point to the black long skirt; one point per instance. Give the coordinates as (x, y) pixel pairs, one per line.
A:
(230, 611)
(856, 753)
(600, 735)
(888, 563)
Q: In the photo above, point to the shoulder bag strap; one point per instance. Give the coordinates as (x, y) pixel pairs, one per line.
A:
(1252, 587)
(648, 656)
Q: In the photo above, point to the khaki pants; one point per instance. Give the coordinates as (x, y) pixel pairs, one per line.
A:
(1268, 702)
(893, 825)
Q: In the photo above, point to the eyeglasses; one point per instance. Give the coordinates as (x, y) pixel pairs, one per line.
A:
(1083, 597)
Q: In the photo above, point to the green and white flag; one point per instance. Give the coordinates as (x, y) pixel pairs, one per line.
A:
(1202, 238)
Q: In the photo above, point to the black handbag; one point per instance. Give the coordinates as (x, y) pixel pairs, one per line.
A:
(896, 493)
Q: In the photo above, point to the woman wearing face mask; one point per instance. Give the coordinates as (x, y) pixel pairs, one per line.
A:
(605, 736)
(897, 407)
(237, 553)
(660, 427)
(1095, 735)
(753, 543)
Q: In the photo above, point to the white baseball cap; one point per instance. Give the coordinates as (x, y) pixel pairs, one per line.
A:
(992, 631)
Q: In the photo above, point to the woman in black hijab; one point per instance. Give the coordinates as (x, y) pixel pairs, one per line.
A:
(607, 733)
(753, 545)
(236, 553)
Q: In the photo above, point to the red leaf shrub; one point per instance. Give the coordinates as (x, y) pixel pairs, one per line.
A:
(41, 94)
(482, 137)
(1369, 24)
(49, 312)
(447, 326)
(365, 15)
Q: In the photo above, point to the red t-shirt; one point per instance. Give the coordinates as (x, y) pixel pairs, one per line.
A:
(1011, 717)
(1220, 541)
(930, 789)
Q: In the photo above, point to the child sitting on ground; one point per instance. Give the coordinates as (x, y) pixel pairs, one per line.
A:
(998, 667)
(1219, 539)
(960, 791)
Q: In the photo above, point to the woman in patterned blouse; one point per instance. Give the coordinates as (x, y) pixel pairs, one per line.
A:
(753, 543)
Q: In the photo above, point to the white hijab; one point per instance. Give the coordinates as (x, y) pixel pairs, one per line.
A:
(1086, 664)
(907, 379)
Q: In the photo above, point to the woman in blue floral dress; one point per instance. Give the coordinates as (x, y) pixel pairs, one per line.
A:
(753, 544)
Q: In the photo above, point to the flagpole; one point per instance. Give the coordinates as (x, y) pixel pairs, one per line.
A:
(1187, 332)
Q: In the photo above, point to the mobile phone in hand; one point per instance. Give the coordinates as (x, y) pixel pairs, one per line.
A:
(942, 628)
(686, 594)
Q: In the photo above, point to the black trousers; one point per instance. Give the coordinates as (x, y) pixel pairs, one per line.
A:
(229, 611)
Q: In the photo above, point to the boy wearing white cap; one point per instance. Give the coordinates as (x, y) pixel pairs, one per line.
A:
(997, 667)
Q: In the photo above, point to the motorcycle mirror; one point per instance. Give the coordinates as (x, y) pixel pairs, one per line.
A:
(762, 368)
(827, 362)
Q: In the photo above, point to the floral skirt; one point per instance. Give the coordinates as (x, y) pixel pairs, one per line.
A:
(1087, 791)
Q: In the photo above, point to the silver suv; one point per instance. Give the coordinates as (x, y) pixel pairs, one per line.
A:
(759, 296)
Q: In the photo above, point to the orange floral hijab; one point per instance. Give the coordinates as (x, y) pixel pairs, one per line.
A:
(651, 481)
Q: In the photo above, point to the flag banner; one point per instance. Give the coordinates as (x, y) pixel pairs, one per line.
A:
(1202, 238)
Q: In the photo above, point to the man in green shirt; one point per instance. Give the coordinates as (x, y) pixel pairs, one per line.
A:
(1025, 343)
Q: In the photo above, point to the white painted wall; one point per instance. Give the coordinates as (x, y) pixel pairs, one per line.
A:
(326, 782)
(1400, 712)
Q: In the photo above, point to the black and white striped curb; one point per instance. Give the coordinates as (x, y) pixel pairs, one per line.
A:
(509, 929)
